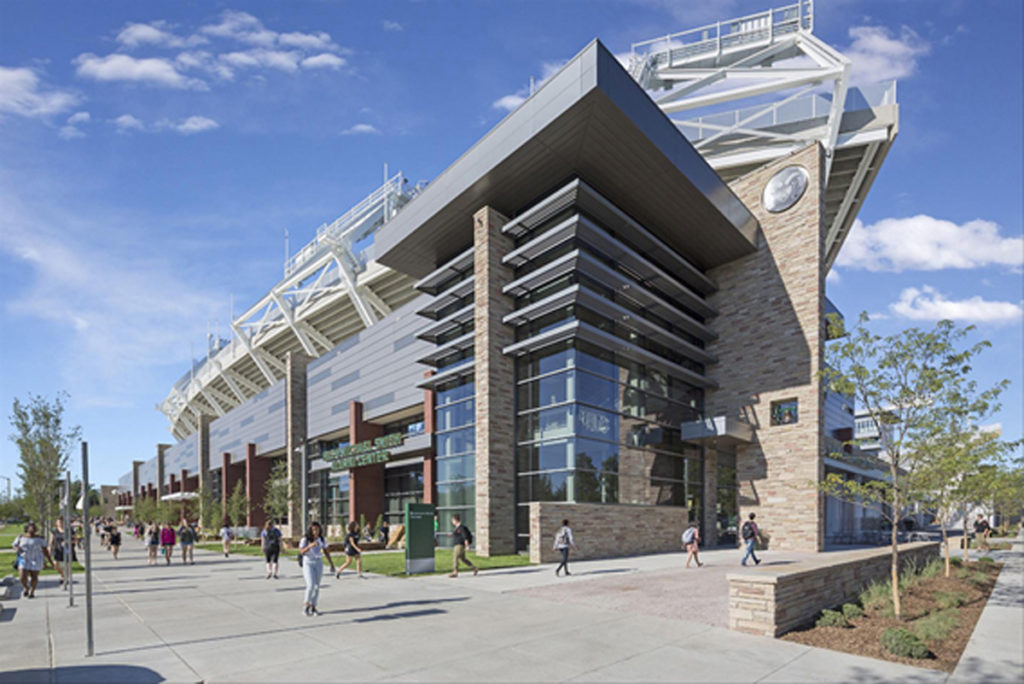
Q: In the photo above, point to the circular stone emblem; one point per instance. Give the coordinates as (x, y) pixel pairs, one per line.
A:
(784, 189)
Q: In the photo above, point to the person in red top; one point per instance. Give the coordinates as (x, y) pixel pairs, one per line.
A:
(167, 539)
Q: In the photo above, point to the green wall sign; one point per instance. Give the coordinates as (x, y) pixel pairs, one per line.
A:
(363, 453)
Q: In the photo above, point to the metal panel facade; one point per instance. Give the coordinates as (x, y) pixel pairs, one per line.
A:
(184, 454)
(377, 367)
(261, 420)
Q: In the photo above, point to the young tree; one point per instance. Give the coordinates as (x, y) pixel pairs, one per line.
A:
(238, 505)
(44, 446)
(279, 492)
(899, 379)
(209, 511)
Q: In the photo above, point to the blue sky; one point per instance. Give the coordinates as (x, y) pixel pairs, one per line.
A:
(152, 155)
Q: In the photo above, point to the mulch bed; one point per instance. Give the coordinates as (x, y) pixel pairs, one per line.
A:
(865, 636)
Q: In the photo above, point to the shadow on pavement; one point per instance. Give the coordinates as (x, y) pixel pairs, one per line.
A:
(518, 571)
(399, 616)
(7, 615)
(605, 572)
(84, 673)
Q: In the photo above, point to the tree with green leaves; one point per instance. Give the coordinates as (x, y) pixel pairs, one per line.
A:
(280, 491)
(44, 445)
(238, 505)
(209, 510)
(900, 380)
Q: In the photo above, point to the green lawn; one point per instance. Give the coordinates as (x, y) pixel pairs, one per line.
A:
(390, 562)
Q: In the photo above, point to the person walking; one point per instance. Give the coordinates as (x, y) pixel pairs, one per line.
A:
(152, 542)
(312, 548)
(187, 539)
(691, 543)
(750, 535)
(563, 541)
(115, 541)
(982, 531)
(32, 554)
(56, 546)
(167, 540)
(352, 550)
(385, 533)
(271, 541)
(226, 535)
(462, 538)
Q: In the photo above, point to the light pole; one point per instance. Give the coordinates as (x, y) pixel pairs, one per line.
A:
(7, 498)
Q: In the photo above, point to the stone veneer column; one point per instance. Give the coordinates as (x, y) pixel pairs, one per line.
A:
(709, 514)
(295, 431)
(184, 481)
(160, 471)
(495, 388)
(770, 348)
(365, 483)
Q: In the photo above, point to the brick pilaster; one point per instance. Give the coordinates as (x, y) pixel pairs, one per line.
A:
(257, 474)
(495, 387)
(295, 431)
(161, 472)
(366, 483)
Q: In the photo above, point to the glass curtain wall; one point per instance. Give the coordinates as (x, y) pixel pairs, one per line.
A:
(402, 485)
(455, 441)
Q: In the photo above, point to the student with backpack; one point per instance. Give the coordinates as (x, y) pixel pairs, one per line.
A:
(187, 539)
(271, 538)
(750, 535)
(691, 543)
(226, 535)
(167, 539)
(462, 538)
(352, 550)
(152, 542)
(564, 540)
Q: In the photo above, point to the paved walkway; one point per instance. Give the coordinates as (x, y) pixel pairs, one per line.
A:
(220, 620)
(995, 652)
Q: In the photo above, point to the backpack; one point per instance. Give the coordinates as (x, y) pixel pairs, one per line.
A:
(469, 535)
(689, 534)
(747, 531)
(562, 538)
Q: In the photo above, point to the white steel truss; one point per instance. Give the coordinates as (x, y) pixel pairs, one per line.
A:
(773, 61)
(331, 275)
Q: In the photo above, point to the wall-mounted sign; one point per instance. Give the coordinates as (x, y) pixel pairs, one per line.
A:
(363, 453)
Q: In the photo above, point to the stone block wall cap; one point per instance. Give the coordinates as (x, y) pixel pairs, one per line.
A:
(755, 576)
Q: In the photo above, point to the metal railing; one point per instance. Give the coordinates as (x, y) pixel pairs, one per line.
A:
(801, 109)
(722, 36)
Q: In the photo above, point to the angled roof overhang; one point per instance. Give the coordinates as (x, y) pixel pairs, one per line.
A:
(591, 120)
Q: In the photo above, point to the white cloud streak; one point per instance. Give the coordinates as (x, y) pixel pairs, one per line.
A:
(78, 117)
(925, 243)
(194, 124)
(126, 123)
(390, 25)
(362, 129)
(513, 100)
(928, 304)
(22, 93)
(324, 60)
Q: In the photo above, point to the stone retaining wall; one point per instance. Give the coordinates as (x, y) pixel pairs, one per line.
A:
(606, 530)
(771, 602)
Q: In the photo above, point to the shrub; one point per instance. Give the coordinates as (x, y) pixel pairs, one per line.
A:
(986, 560)
(832, 618)
(978, 578)
(963, 573)
(902, 642)
(935, 626)
(951, 599)
(956, 561)
(934, 568)
(877, 596)
(852, 610)
(910, 576)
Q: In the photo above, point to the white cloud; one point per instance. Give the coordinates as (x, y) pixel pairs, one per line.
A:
(307, 41)
(78, 117)
(513, 100)
(877, 55)
(242, 27)
(205, 61)
(509, 102)
(127, 122)
(389, 25)
(22, 93)
(259, 57)
(928, 304)
(152, 70)
(154, 33)
(928, 244)
(833, 277)
(361, 129)
(195, 124)
(69, 133)
(324, 60)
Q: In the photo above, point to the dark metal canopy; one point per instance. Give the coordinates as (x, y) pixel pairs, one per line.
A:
(591, 121)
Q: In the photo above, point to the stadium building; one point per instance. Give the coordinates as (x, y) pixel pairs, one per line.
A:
(600, 311)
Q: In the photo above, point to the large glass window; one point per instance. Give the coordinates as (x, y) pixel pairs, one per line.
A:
(402, 485)
(456, 460)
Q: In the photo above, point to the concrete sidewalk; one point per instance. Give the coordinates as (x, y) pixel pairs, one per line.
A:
(995, 652)
(220, 620)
